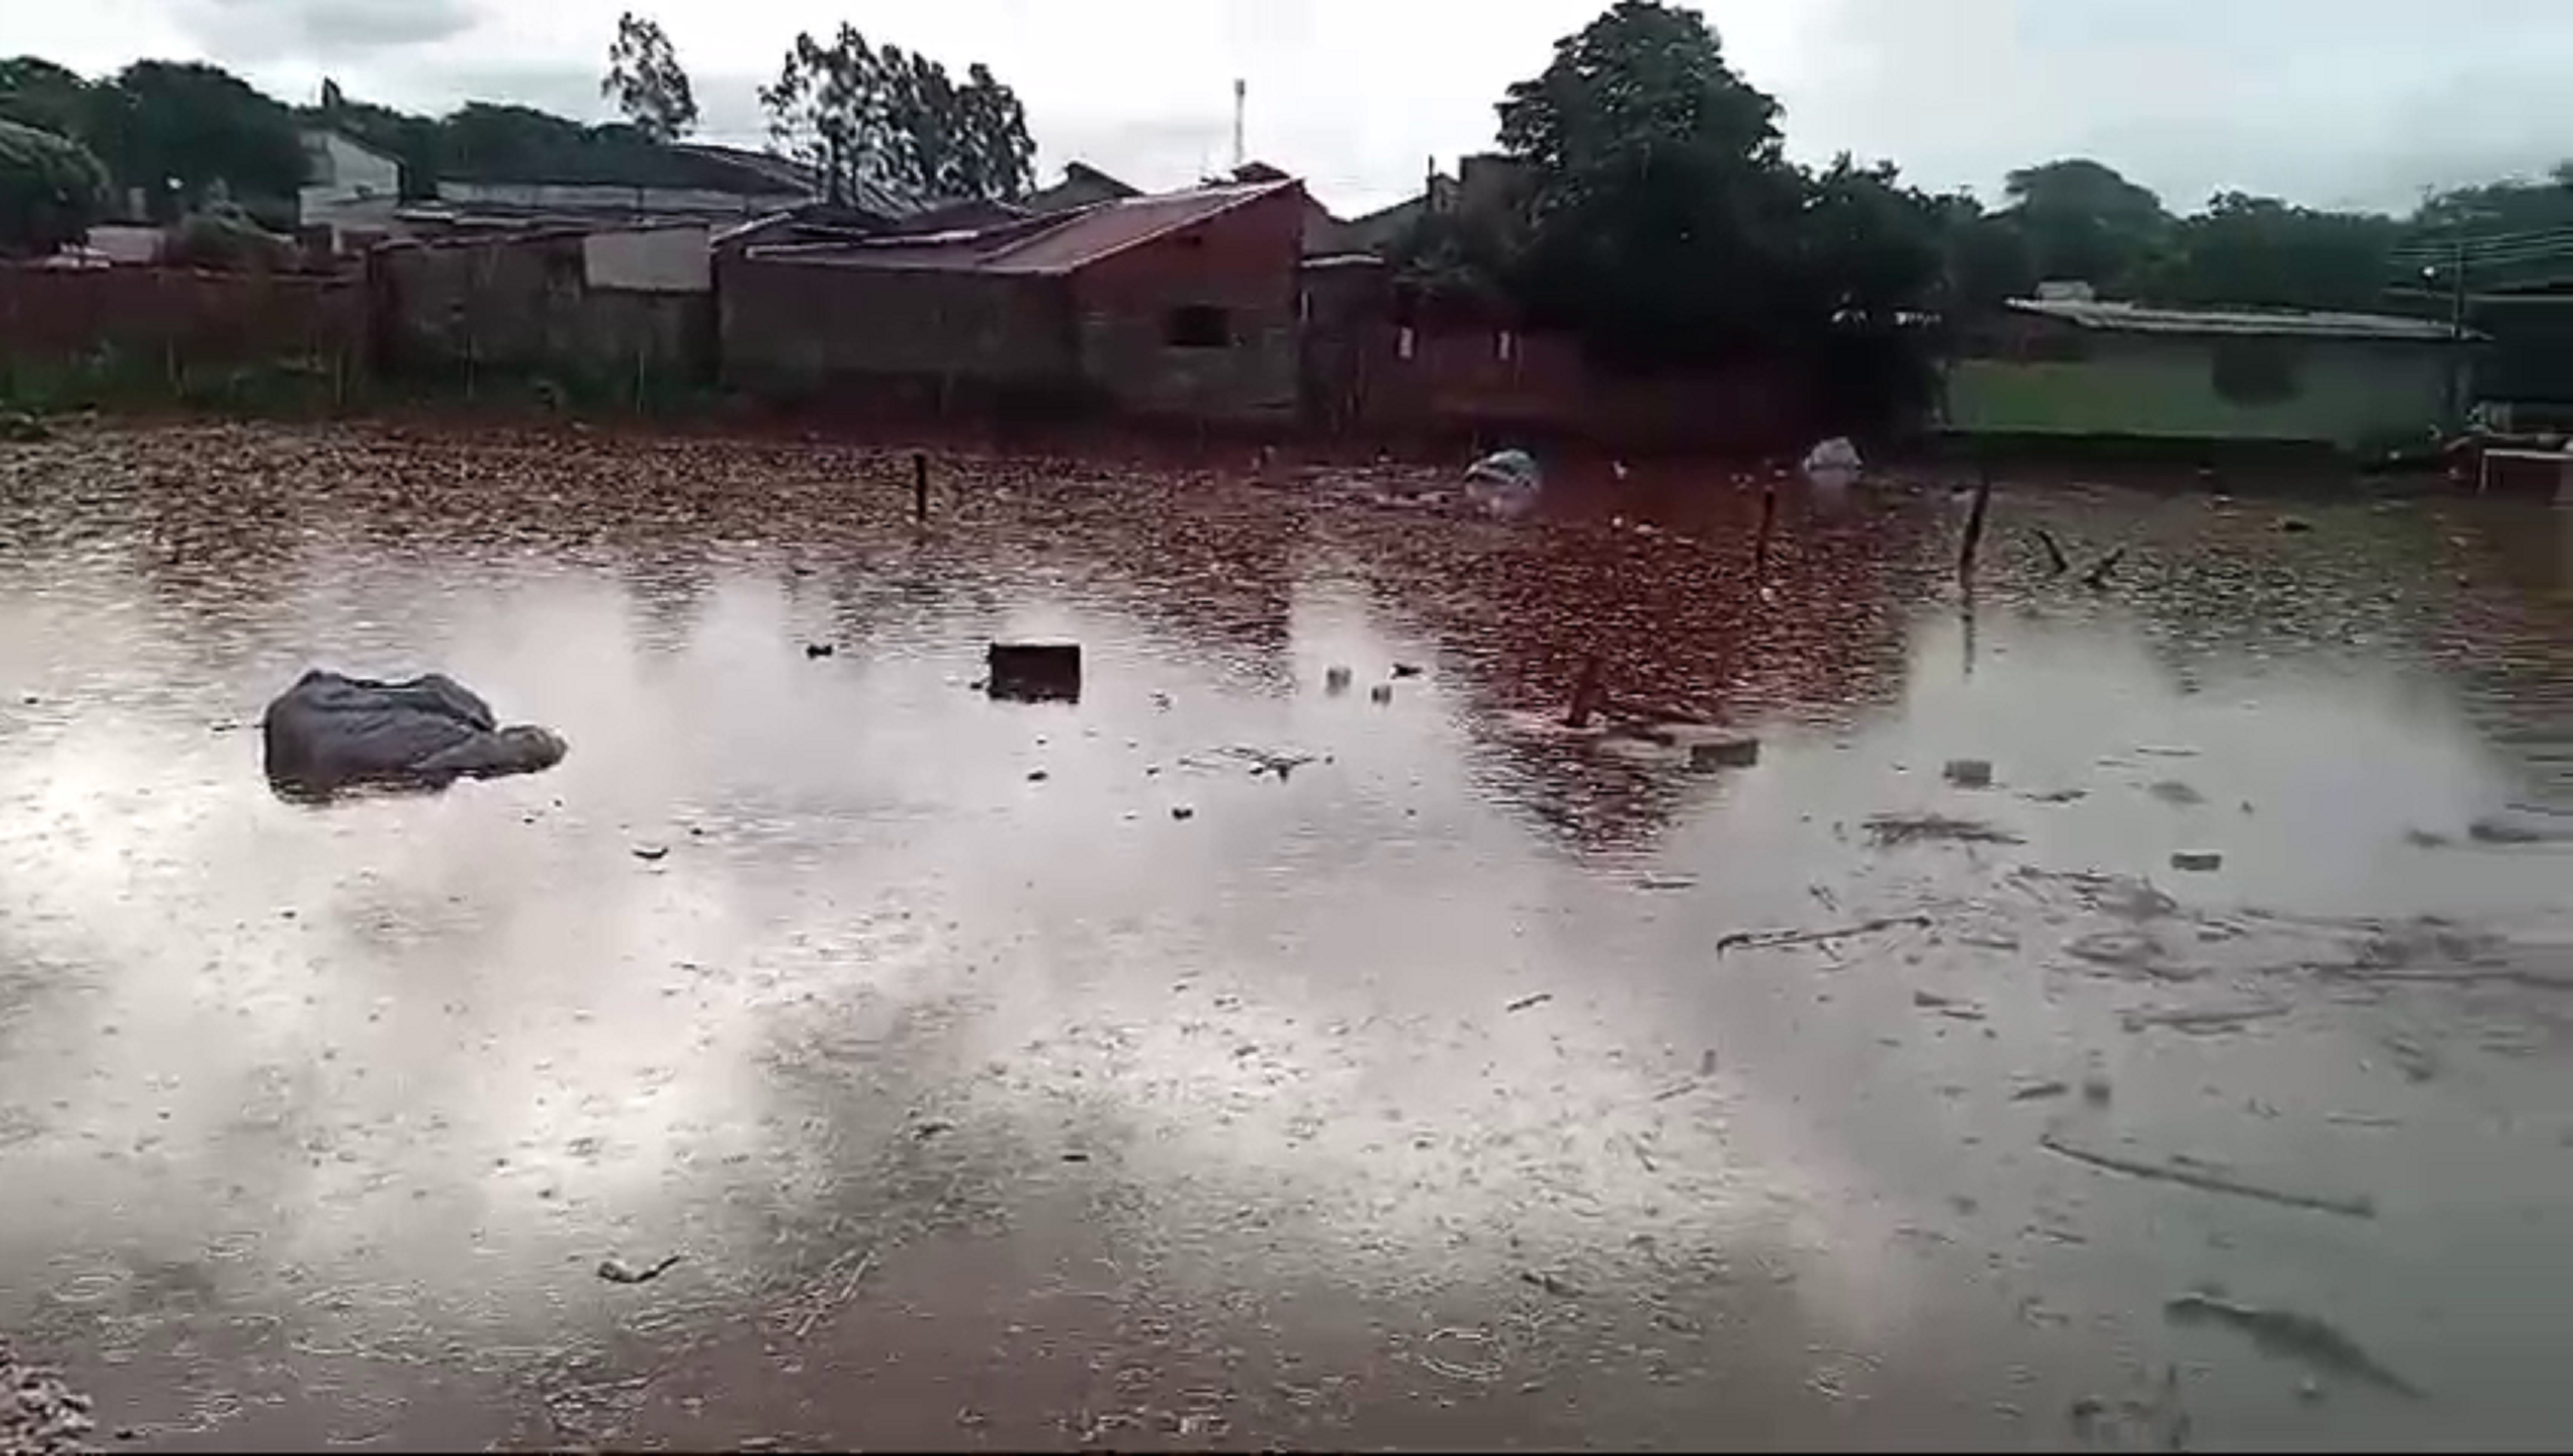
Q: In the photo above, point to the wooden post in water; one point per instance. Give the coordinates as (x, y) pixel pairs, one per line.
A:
(1975, 526)
(920, 486)
(1585, 694)
(1760, 545)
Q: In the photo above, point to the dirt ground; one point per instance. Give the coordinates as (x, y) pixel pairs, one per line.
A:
(2113, 1007)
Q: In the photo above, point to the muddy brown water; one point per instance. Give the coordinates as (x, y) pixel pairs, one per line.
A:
(1405, 1100)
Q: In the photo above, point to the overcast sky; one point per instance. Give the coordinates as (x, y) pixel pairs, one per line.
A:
(2328, 102)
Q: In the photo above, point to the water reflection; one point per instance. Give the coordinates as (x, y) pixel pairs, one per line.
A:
(1403, 1099)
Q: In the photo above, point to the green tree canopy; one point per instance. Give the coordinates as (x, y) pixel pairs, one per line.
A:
(51, 190)
(2259, 251)
(184, 132)
(647, 83)
(1660, 204)
(871, 119)
(2084, 220)
(1665, 225)
(37, 92)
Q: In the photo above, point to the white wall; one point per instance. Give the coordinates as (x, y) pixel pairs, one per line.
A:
(652, 260)
(686, 199)
(338, 169)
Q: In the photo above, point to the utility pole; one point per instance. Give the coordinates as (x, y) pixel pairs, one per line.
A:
(1241, 102)
(2457, 335)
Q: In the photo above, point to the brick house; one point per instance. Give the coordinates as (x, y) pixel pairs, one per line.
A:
(1170, 304)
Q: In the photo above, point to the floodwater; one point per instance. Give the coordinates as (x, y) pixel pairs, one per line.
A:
(1412, 1096)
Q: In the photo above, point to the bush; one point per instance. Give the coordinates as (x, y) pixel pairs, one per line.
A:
(226, 239)
(51, 189)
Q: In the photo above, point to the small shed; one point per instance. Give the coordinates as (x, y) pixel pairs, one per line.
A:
(1174, 303)
(2065, 366)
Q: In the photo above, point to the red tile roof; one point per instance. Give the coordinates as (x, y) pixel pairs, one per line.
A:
(1058, 245)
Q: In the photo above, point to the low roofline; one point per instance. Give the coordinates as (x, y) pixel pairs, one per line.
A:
(1015, 232)
(2130, 318)
(329, 129)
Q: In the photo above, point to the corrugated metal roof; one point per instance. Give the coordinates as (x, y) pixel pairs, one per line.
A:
(2273, 322)
(1051, 245)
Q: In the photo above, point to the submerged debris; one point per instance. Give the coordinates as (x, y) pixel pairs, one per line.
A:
(2208, 1179)
(1526, 1002)
(1770, 939)
(2196, 860)
(1280, 762)
(1891, 830)
(1969, 772)
(1033, 671)
(2295, 1336)
(2201, 1019)
(616, 1271)
(1724, 753)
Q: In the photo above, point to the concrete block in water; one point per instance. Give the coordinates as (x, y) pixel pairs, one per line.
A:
(1035, 671)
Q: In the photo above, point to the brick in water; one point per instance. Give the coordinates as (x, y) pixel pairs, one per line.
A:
(1969, 772)
(1036, 671)
(1724, 753)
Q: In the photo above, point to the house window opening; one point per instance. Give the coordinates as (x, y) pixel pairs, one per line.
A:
(1197, 325)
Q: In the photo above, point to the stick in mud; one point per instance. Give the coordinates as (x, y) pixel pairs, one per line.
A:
(2096, 578)
(2360, 1207)
(1760, 544)
(1585, 694)
(1769, 940)
(2057, 560)
(1975, 526)
(919, 486)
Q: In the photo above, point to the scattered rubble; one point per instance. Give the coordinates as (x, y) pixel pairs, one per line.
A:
(39, 1415)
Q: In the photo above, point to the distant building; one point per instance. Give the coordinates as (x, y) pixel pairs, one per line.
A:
(1486, 186)
(350, 187)
(1175, 304)
(629, 185)
(2066, 364)
(1083, 186)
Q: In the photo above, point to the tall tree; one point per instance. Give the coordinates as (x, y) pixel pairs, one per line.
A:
(872, 120)
(644, 79)
(2082, 220)
(2245, 250)
(1660, 207)
(1987, 259)
(37, 92)
(183, 132)
(51, 189)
